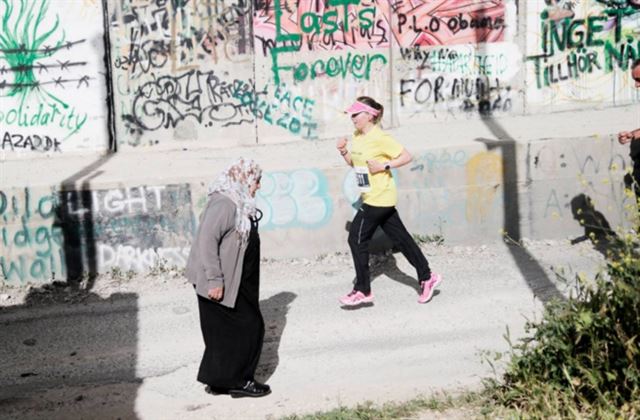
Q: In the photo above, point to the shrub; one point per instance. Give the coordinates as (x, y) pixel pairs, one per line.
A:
(582, 358)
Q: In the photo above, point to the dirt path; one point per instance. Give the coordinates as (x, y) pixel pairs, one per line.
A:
(130, 348)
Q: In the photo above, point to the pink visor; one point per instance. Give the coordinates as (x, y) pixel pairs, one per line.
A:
(358, 107)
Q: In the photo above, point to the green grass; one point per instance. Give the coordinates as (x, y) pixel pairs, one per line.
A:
(396, 410)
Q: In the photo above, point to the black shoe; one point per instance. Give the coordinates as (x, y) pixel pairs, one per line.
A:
(214, 390)
(250, 389)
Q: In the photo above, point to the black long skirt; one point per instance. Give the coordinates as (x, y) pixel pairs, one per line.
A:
(233, 337)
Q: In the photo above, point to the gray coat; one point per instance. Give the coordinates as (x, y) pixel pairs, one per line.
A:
(216, 255)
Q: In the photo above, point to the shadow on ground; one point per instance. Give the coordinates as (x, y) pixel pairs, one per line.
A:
(54, 345)
(274, 311)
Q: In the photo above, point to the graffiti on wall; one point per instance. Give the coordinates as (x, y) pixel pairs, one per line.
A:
(431, 179)
(284, 27)
(457, 63)
(429, 184)
(31, 243)
(165, 52)
(68, 233)
(42, 67)
(172, 62)
(206, 97)
(465, 61)
(178, 35)
(481, 95)
(297, 199)
(597, 174)
(280, 107)
(428, 23)
(322, 25)
(372, 24)
(277, 26)
(585, 40)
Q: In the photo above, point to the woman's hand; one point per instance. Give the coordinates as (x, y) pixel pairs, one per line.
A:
(625, 137)
(341, 145)
(375, 166)
(216, 293)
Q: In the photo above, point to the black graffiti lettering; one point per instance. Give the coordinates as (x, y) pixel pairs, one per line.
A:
(403, 91)
(202, 96)
(17, 140)
(476, 94)
(383, 30)
(33, 142)
(151, 54)
(420, 96)
(437, 92)
(402, 20)
(6, 139)
(434, 24)
(426, 58)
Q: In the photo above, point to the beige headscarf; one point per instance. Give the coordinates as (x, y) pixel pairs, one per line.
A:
(234, 182)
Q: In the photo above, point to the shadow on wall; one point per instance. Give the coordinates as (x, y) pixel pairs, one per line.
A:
(533, 273)
(66, 340)
(274, 311)
(596, 227)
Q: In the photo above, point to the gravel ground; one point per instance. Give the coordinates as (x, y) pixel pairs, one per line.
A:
(129, 347)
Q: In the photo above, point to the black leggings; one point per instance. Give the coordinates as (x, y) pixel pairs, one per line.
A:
(362, 229)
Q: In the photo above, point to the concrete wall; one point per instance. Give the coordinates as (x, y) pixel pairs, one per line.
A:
(52, 78)
(217, 73)
(177, 88)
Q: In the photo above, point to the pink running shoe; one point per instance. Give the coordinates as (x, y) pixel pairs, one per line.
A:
(428, 286)
(356, 297)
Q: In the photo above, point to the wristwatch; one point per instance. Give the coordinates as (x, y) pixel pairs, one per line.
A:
(387, 166)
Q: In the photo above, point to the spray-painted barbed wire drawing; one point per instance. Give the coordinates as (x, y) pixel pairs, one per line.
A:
(26, 39)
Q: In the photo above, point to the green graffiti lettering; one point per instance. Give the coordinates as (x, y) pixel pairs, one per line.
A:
(275, 67)
(38, 269)
(294, 125)
(3, 202)
(611, 53)
(308, 108)
(297, 100)
(22, 237)
(345, 4)
(281, 37)
(301, 72)
(618, 14)
(593, 28)
(315, 73)
(572, 31)
(17, 269)
(366, 22)
(358, 64)
(330, 21)
(313, 25)
(47, 200)
(333, 67)
(558, 39)
(371, 60)
(42, 237)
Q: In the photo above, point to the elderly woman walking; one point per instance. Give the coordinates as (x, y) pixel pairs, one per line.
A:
(224, 268)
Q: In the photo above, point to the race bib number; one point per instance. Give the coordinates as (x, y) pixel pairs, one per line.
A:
(362, 178)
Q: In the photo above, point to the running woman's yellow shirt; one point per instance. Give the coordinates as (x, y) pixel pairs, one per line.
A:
(377, 189)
